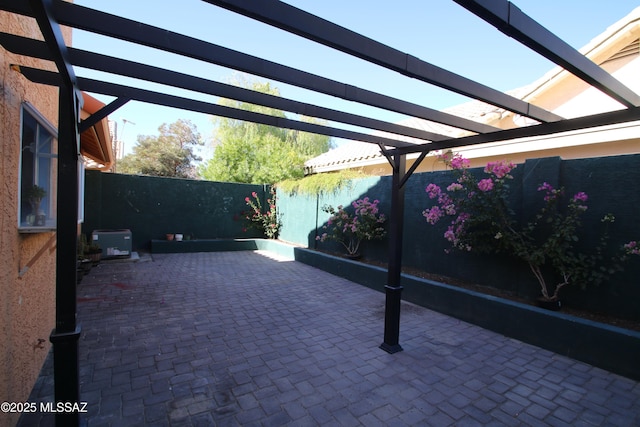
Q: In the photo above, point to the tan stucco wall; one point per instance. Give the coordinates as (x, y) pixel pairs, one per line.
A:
(380, 167)
(570, 98)
(27, 305)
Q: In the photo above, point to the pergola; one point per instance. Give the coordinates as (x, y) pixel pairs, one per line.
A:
(50, 14)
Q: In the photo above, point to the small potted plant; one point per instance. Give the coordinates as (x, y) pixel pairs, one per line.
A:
(34, 195)
(366, 223)
(94, 253)
(84, 263)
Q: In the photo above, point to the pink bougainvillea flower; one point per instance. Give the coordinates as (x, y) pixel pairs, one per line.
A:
(450, 209)
(444, 199)
(500, 168)
(581, 196)
(632, 248)
(552, 193)
(450, 235)
(459, 162)
(462, 217)
(433, 191)
(433, 215)
(545, 186)
(485, 185)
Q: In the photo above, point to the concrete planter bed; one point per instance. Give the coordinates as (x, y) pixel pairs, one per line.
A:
(202, 245)
(608, 347)
(219, 245)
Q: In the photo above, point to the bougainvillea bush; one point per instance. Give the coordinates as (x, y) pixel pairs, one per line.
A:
(350, 229)
(268, 222)
(549, 243)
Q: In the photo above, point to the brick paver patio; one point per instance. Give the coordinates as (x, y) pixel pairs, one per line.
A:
(242, 338)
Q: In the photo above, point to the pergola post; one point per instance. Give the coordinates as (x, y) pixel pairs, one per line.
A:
(393, 289)
(67, 332)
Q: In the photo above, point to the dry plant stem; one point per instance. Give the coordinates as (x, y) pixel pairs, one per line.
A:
(543, 286)
(561, 285)
(352, 247)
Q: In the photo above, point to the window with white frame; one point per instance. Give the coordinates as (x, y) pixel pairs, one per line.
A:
(38, 171)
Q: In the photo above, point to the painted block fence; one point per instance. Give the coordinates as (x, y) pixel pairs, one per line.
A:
(151, 207)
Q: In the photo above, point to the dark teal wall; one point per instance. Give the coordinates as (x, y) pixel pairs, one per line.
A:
(303, 216)
(152, 207)
(300, 218)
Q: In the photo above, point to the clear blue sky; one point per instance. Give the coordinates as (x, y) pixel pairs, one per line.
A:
(437, 31)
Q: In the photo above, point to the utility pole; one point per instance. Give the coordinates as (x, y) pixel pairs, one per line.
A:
(124, 123)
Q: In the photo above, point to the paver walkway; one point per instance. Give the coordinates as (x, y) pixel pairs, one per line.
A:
(241, 338)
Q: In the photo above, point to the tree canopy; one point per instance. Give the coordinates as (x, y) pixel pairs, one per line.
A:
(171, 153)
(260, 154)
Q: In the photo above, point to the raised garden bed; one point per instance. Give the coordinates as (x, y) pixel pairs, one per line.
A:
(202, 245)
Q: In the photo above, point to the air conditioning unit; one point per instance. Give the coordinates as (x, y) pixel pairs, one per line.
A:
(114, 243)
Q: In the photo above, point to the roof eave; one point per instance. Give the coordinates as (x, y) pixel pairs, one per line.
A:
(95, 143)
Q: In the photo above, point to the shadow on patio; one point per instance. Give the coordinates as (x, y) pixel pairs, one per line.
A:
(245, 338)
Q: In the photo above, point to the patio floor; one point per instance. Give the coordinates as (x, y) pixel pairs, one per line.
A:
(245, 338)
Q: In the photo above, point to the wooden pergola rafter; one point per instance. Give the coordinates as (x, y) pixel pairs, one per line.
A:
(50, 14)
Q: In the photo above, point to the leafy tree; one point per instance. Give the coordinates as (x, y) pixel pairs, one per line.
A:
(256, 153)
(169, 154)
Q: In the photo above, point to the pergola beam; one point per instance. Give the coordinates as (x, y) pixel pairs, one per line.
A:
(567, 125)
(90, 60)
(312, 27)
(42, 12)
(509, 19)
(135, 32)
(102, 113)
(157, 98)
(198, 84)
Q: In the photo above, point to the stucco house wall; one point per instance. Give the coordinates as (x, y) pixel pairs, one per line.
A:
(27, 305)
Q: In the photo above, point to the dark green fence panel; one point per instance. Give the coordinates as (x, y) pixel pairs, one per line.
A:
(303, 217)
(151, 207)
(299, 218)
